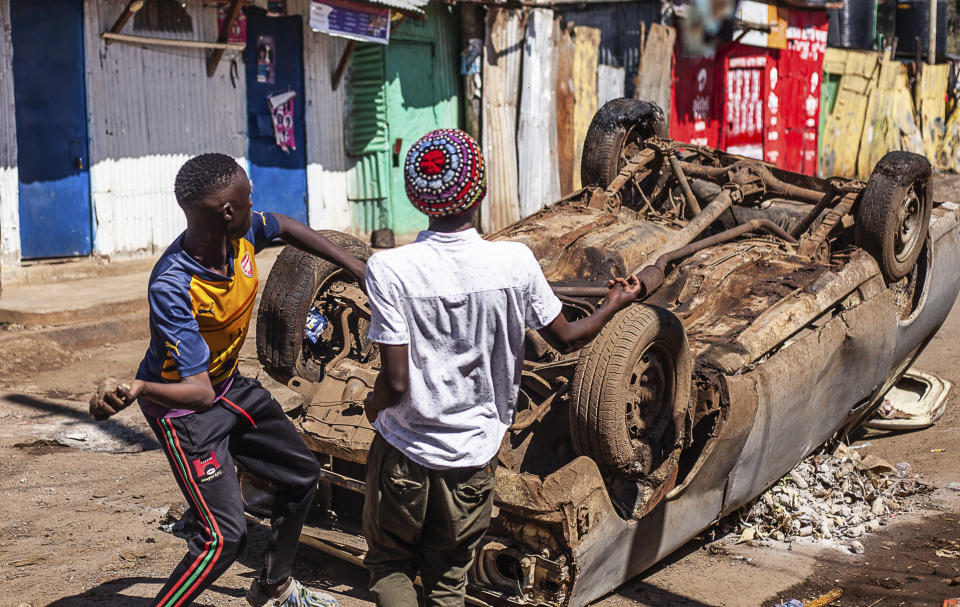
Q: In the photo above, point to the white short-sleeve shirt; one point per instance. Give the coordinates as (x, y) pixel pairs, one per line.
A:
(460, 303)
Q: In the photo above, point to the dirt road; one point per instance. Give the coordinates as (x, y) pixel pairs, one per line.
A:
(82, 506)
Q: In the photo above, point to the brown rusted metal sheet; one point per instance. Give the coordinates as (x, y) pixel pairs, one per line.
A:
(566, 145)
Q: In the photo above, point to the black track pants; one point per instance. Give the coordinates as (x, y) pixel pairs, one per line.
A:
(246, 427)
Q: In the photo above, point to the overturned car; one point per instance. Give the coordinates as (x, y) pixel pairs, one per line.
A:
(777, 309)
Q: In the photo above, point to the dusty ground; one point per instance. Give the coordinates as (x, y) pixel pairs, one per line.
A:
(80, 523)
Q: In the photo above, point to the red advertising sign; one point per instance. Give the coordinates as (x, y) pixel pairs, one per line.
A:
(760, 102)
(694, 115)
(743, 106)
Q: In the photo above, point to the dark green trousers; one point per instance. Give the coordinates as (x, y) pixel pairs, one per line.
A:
(422, 521)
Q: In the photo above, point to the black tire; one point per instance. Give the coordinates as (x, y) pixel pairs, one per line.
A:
(616, 132)
(893, 215)
(291, 288)
(641, 355)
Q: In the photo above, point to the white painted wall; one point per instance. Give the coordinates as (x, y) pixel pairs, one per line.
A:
(9, 216)
(9, 199)
(150, 109)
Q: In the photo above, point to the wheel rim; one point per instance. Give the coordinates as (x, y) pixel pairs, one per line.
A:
(909, 218)
(649, 404)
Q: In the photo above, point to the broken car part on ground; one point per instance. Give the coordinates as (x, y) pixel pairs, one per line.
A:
(777, 310)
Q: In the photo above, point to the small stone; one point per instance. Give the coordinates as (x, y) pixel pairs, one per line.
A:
(878, 508)
(873, 525)
(798, 480)
(856, 547)
(954, 485)
(855, 531)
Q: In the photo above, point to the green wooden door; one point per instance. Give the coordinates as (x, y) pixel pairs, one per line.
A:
(419, 92)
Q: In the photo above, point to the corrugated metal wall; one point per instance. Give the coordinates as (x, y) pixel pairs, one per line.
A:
(328, 165)
(366, 138)
(502, 55)
(151, 109)
(539, 168)
(620, 23)
(9, 202)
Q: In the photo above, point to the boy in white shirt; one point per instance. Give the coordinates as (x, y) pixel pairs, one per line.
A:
(449, 313)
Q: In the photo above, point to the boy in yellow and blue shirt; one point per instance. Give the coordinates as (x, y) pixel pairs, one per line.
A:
(206, 415)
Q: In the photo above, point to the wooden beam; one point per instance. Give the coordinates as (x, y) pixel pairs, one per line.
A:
(342, 66)
(235, 46)
(409, 14)
(132, 7)
(213, 59)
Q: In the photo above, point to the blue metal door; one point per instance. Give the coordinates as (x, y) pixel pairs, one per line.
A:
(51, 112)
(274, 58)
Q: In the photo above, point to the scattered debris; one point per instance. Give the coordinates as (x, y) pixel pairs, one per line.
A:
(948, 554)
(179, 521)
(748, 534)
(27, 562)
(917, 401)
(132, 557)
(790, 603)
(826, 599)
(954, 485)
(41, 447)
(835, 498)
(938, 450)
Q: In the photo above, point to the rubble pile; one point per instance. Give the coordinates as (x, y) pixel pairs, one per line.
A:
(832, 498)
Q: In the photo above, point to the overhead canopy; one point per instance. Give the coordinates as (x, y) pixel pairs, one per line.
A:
(410, 8)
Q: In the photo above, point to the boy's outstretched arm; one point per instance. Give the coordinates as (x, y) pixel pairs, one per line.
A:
(194, 392)
(303, 237)
(569, 336)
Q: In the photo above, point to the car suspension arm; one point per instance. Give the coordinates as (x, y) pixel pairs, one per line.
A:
(652, 276)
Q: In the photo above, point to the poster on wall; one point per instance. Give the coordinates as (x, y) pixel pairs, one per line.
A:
(364, 22)
(238, 33)
(761, 14)
(265, 59)
(281, 114)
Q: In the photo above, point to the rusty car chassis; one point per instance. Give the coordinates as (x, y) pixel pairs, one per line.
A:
(770, 324)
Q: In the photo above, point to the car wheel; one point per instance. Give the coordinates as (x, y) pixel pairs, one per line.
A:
(294, 285)
(616, 133)
(894, 213)
(630, 393)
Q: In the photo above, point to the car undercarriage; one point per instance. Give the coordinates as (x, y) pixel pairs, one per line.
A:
(776, 310)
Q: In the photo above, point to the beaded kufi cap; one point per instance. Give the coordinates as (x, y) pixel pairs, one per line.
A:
(444, 173)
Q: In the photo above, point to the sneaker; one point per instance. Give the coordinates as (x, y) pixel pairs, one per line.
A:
(296, 595)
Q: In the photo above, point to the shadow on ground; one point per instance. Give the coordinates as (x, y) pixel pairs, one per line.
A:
(127, 438)
(113, 594)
